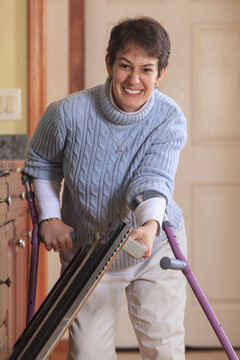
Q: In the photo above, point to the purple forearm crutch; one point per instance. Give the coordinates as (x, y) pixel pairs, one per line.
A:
(35, 248)
(180, 263)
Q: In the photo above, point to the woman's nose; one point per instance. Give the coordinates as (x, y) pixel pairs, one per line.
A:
(134, 77)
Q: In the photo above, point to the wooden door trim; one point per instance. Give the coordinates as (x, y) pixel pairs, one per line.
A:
(37, 55)
(37, 61)
(37, 80)
(37, 94)
(76, 45)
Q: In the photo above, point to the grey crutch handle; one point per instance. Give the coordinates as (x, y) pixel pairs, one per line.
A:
(174, 264)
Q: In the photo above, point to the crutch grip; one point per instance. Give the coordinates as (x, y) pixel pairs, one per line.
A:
(73, 237)
(174, 264)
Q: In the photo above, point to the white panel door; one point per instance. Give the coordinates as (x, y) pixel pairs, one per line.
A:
(204, 78)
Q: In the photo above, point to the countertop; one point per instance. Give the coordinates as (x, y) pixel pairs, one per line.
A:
(12, 147)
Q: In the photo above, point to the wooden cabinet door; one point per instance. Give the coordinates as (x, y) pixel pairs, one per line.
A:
(4, 290)
(3, 275)
(7, 294)
(21, 271)
(14, 250)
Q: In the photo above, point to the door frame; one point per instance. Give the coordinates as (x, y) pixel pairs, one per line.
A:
(37, 80)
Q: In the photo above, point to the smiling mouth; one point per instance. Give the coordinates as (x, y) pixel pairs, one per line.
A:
(132, 92)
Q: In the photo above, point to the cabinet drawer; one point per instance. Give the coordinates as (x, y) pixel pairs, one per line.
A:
(12, 197)
(15, 184)
(3, 200)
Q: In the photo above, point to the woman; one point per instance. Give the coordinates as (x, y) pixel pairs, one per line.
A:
(117, 147)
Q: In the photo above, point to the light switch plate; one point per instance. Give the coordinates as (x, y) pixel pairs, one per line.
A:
(10, 104)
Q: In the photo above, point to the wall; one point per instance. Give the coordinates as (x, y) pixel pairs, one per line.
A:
(57, 49)
(13, 69)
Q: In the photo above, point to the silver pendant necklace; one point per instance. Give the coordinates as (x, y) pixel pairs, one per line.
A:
(120, 146)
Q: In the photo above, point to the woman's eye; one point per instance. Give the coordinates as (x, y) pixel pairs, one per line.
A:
(146, 70)
(124, 66)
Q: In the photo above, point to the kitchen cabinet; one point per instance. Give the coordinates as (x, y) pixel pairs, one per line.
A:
(14, 257)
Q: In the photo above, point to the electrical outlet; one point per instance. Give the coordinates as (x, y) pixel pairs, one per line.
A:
(10, 104)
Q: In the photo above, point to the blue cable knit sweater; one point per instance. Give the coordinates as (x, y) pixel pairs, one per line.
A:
(74, 141)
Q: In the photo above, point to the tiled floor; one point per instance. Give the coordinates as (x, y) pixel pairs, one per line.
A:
(134, 355)
(190, 355)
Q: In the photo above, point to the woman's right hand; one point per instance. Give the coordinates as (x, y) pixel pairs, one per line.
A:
(55, 235)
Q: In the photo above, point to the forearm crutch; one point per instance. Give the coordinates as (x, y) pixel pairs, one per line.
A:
(180, 263)
(32, 288)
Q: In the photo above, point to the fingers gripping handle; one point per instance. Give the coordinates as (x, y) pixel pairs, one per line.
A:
(174, 264)
(73, 238)
(133, 248)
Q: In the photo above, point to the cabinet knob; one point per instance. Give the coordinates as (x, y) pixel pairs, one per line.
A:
(22, 195)
(8, 200)
(27, 234)
(21, 243)
(7, 282)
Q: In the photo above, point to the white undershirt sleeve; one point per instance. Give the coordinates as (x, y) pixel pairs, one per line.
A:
(151, 209)
(47, 195)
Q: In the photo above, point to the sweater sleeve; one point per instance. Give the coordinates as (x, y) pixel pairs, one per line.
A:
(158, 165)
(45, 150)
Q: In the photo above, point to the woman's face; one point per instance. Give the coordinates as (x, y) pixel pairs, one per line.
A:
(134, 75)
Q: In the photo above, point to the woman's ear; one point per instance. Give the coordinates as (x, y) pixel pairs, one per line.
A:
(161, 76)
(108, 66)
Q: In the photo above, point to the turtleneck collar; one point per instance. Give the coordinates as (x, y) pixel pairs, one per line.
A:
(117, 116)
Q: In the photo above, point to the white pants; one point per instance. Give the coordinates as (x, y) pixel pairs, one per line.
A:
(156, 302)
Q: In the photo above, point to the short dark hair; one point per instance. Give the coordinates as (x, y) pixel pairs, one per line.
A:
(146, 33)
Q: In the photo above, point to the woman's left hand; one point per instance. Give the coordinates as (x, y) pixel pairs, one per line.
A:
(145, 235)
